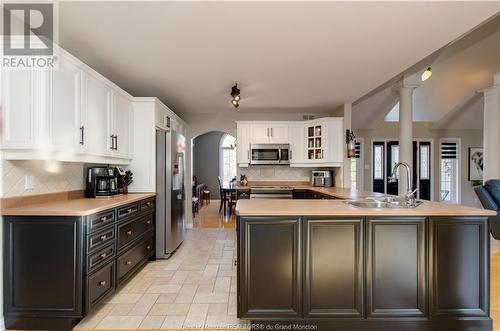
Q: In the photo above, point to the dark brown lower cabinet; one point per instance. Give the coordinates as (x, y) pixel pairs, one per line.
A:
(396, 283)
(57, 268)
(43, 271)
(270, 268)
(334, 274)
(369, 273)
(459, 267)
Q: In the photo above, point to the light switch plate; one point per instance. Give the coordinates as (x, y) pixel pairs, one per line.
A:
(29, 182)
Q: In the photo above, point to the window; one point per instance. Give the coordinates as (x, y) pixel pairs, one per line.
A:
(378, 162)
(357, 167)
(424, 161)
(449, 171)
(227, 158)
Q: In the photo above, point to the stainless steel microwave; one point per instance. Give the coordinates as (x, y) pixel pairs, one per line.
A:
(269, 154)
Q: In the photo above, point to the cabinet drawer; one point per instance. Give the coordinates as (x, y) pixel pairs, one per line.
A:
(100, 220)
(147, 205)
(128, 210)
(130, 231)
(102, 256)
(100, 285)
(94, 241)
(133, 258)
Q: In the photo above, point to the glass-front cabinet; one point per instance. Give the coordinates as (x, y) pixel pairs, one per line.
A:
(315, 142)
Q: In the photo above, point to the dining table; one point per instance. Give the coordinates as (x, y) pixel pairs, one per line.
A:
(226, 191)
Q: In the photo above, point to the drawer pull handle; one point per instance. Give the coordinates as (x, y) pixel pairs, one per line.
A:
(148, 204)
(103, 255)
(102, 283)
(129, 210)
(128, 262)
(104, 237)
(104, 219)
(148, 247)
(148, 222)
(129, 233)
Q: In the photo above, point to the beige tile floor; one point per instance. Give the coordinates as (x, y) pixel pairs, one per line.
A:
(194, 289)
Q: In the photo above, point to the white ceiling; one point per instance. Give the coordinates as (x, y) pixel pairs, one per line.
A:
(286, 56)
(449, 98)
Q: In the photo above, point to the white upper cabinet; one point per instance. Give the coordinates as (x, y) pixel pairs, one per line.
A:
(259, 134)
(243, 145)
(20, 109)
(269, 133)
(97, 105)
(122, 125)
(279, 134)
(66, 127)
(313, 143)
(297, 143)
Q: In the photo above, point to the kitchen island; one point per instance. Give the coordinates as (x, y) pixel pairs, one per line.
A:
(326, 265)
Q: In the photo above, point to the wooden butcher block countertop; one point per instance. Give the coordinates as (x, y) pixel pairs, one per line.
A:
(65, 204)
(278, 207)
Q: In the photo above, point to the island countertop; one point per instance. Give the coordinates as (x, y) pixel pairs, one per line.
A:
(278, 207)
(78, 206)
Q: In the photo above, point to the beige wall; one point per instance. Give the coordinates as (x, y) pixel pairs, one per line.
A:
(389, 130)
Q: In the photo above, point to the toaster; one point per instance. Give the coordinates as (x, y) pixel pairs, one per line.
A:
(321, 178)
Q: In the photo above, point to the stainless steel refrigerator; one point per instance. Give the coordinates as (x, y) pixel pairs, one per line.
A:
(170, 192)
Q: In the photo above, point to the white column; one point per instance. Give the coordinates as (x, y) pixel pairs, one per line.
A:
(346, 171)
(491, 133)
(405, 133)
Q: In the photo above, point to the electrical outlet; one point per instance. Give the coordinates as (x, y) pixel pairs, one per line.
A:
(29, 182)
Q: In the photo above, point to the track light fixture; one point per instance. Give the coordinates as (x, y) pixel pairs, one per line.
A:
(235, 93)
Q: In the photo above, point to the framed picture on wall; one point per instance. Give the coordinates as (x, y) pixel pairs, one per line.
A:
(475, 163)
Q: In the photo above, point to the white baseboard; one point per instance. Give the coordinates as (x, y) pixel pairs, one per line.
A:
(2, 324)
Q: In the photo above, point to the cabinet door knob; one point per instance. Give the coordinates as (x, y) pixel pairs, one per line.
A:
(102, 283)
(148, 247)
(103, 255)
(104, 237)
(128, 262)
(148, 222)
(129, 233)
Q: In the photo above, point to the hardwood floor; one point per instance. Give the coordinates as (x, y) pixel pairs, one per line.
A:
(209, 217)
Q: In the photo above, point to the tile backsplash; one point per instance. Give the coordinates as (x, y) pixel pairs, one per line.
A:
(275, 173)
(48, 177)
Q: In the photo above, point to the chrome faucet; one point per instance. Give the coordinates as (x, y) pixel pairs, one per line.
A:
(409, 197)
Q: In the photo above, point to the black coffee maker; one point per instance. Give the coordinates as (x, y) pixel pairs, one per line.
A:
(101, 182)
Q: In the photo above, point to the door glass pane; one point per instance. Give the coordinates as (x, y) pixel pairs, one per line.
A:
(394, 155)
(354, 163)
(378, 160)
(424, 162)
(310, 131)
(447, 182)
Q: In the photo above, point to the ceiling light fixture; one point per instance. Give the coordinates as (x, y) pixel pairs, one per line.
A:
(235, 93)
(426, 74)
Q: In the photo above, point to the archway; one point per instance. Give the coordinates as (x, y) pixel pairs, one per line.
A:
(212, 156)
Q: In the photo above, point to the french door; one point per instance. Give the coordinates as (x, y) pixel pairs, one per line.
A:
(385, 154)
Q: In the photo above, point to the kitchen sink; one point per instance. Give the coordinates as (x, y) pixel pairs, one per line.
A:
(379, 203)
